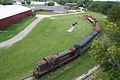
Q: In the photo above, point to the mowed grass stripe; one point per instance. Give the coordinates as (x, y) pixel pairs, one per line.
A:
(46, 13)
(47, 38)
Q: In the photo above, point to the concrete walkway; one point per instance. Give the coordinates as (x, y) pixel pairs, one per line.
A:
(23, 33)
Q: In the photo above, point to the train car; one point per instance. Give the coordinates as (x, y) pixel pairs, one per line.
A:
(90, 18)
(66, 56)
(84, 44)
(85, 16)
(51, 62)
(41, 68)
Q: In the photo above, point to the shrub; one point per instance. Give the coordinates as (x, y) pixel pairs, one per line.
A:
(51, 4)
(23, 2)
(28, 2)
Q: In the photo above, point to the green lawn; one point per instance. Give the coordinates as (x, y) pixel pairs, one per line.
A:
(32, 5)
(46, 13)
(49, 37)
(14, 29)
(70, 12)
(78, 66)
(71, 70)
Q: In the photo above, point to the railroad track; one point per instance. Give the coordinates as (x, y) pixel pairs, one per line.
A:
(89, 75)
(86, 76)
(28, 78)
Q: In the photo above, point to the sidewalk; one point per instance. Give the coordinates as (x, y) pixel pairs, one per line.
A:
(20, 35)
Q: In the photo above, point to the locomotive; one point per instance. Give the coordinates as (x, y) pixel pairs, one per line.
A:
(51, 62)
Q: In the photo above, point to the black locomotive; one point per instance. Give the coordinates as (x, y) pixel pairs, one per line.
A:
(51, 62)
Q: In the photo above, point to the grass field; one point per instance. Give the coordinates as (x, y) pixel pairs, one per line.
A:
(78, 66)
(32, 5)
(14, 29)
(47, 38)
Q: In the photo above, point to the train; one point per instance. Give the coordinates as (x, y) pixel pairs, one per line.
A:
(50, 63)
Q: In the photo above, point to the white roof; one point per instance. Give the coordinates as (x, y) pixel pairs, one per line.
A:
(10, 10)
(1, 5)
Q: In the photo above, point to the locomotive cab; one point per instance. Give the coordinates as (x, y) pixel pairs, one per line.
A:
(41, 68)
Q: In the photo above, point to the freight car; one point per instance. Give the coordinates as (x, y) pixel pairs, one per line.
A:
(51, 62)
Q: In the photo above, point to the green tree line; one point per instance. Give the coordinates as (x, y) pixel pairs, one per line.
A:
(6, 2)
(62, 2)
(106, 50)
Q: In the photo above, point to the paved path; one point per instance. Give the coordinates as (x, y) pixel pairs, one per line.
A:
(23, 33)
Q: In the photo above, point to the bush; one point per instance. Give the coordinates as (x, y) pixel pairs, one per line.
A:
(6, 3)
(28, 2)
(23, 2)
(51, 4)
(101, 7)
(114, 13)
(118, 24)
(79, 4)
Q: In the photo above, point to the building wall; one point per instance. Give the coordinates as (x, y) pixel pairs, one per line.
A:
(13, 19)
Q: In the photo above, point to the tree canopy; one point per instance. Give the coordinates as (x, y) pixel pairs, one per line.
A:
(62, 2)
(106, 50)
(6, 2)
(114, 13)
(101, 7)
(108, 57)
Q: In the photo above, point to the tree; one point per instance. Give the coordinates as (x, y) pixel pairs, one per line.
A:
(114, 13)
(79, 4)
(23, 2)
(107, 53)
(6, 2)
(108, 57)
(101, 7)
(93, 6)
(28, 2)
(51, 4)
(118, 24)
(70, 1)
(113, 32)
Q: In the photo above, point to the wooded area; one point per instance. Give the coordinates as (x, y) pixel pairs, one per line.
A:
(106, 51)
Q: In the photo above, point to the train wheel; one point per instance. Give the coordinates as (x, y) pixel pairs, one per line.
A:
(37, 76)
